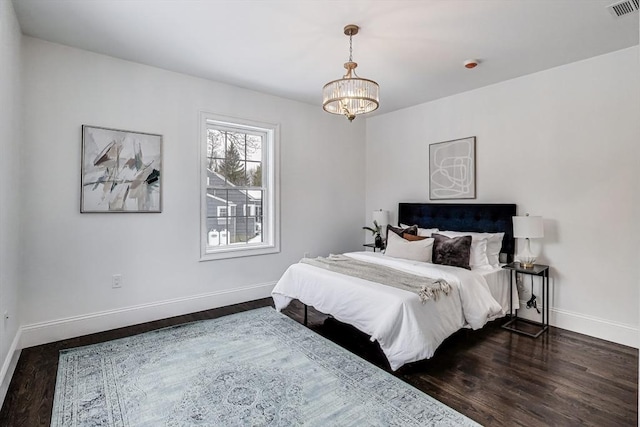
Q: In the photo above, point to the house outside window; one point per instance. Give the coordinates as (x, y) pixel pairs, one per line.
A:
(226, 213)
(239, 188)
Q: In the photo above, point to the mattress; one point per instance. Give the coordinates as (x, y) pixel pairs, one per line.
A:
(406, 328)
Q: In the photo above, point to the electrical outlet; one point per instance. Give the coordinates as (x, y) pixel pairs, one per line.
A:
(116, 281)
(307, 254)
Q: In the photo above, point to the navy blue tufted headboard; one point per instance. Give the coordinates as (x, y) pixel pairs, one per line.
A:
(491, 218)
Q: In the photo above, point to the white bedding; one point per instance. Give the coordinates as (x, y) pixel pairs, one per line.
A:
(498, 282)
(406, 329)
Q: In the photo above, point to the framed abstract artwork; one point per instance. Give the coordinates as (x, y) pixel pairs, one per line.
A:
(452, 169)
(121, 171)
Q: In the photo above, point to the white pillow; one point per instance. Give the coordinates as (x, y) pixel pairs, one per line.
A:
(478, 255)
(424, 232)
(494, 243)
(427, 232)
(494, 246)
(418, 250)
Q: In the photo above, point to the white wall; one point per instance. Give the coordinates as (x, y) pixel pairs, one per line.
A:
(562, 143)
(10, 141)
(70, 257)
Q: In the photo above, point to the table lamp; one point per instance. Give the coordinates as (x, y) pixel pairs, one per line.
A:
(527, 227)
(381, 217)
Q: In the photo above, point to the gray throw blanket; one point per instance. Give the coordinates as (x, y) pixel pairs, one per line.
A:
(426, 287)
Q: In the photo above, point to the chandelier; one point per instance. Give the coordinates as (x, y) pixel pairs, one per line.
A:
(350, 95)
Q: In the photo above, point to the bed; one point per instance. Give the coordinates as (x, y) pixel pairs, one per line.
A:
(407, 328)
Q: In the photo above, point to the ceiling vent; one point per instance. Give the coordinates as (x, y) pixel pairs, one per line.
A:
(624, 7)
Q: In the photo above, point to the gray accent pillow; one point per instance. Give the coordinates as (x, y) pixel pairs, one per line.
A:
(454, 251)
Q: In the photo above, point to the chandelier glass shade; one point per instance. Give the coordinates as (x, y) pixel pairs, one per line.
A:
(351, 95)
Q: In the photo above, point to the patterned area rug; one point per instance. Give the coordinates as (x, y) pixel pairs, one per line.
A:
(255, 368)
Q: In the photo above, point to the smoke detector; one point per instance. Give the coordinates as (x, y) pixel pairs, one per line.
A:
(624, 7)
(472, 63)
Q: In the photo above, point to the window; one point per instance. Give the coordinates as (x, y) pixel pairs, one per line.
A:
(238, 187)
(225, 213)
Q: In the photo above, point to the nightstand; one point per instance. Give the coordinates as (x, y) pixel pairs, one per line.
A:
(373, 246)
(541, 271)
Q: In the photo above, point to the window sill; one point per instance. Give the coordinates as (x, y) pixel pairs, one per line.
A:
(239, 252)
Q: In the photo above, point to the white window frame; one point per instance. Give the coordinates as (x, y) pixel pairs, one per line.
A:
(270, 202)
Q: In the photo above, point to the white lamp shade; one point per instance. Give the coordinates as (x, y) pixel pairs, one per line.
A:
(528, 227)
(381, 217)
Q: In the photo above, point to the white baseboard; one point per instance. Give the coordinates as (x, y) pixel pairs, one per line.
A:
(9, 366)
(588, 325)
(70, 327)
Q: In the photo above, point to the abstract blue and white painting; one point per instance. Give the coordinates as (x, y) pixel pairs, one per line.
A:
(121, 171)
(452, 169)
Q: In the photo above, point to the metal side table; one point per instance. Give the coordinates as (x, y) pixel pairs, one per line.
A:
(541, 271)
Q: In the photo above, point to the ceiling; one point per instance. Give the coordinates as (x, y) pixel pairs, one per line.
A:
(414, 49)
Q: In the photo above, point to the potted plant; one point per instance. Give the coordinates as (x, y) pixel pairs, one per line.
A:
(375, 230)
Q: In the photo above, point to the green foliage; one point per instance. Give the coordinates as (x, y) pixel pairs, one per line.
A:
(255, 176)
(232, 166)
(375, 230)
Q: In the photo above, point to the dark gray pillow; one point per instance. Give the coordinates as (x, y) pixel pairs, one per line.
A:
(452, 251)
(400, 231)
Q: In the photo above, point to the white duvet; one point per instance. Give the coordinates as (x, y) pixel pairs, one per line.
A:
(406, 329)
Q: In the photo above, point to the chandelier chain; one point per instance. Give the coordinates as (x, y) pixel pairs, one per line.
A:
(350, 47)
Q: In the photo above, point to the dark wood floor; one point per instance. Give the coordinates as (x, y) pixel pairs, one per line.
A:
(493, 376)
